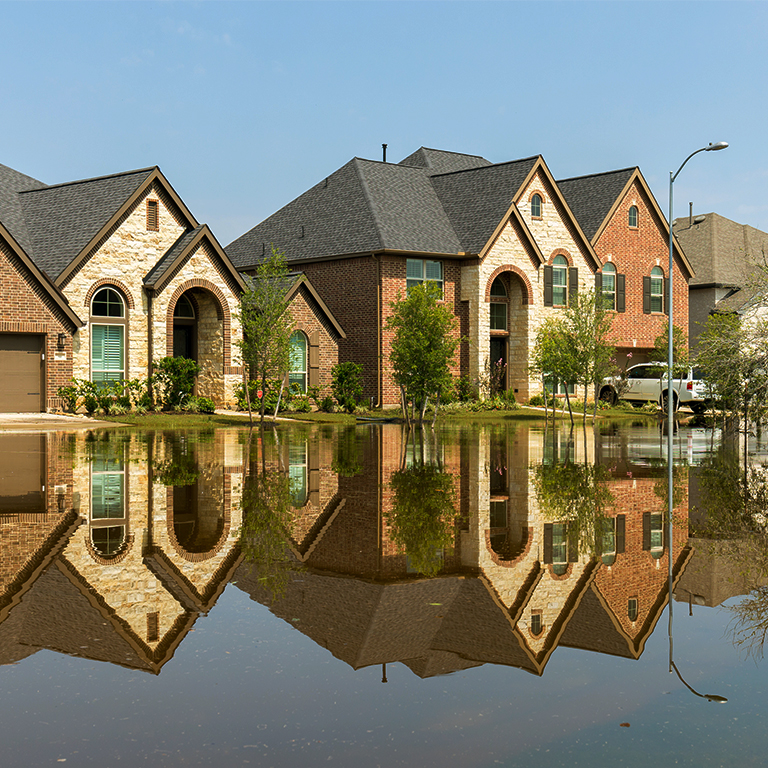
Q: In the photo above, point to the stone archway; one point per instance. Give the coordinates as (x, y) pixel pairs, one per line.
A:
(198, 327)
(509, 295)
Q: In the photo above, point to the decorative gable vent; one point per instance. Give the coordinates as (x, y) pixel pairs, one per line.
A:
(153, 216)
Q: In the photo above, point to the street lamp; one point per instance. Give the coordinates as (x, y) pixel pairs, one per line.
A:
(670, 389)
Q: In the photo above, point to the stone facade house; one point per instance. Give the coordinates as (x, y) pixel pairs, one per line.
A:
(107, 275)
(506, 243)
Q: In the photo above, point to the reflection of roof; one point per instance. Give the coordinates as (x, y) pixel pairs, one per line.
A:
(434, 626)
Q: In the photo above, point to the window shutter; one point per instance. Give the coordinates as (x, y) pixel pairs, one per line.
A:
(598, 282)
(666, 295)
(548, 542)
(646, 531)
(314, 359)
(621, 526)
(314, 474)
(547, 285)
(647, 294)
(621, 293)
(573, 283)
(573, 544)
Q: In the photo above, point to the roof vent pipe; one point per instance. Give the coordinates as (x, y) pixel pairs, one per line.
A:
(384, 152)
(690, 214)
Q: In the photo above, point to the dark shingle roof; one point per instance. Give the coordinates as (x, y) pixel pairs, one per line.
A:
(62, 219)
(334, 214)
(590, 198)
(370, 206)
(440, 161)
(155, 274)
(11, 183)
(476, 200)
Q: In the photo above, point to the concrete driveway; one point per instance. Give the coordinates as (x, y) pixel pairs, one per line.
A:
(47, 421)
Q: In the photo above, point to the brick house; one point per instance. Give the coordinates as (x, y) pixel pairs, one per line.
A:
(507, 244)
(104, 275)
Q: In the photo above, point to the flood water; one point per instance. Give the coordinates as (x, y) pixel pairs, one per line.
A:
(487, 595)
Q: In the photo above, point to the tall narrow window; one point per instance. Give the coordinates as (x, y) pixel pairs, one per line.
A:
(107, 336)
(560, 281)
(297, 472)
(153, 215)
(107, 521)
(559, 548)
(657, 290)
(424, 271)
(632, 217)
(498, 307)
(298, 372)
(632, 609)
(609, 286)
(536, 206)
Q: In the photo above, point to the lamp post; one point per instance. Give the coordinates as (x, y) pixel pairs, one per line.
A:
(670, 389)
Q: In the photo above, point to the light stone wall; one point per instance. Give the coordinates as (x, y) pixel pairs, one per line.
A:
(126, 257)
(551, 234)
(214, 381)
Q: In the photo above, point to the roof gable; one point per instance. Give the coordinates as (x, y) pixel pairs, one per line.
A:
(67, 221)
(477, 200)
(181, 251)
(593, 197)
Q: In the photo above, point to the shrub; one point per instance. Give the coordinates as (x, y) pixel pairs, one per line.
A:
(326, 404)
(174, 379)
(71, 396)
(347, 384)
(463, 390)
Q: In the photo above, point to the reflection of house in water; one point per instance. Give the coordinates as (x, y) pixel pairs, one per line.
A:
(523, 581)
(134, 537)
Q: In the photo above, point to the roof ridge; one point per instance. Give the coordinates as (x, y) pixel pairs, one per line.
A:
(93, 178)
(600, 173)
(485, 167)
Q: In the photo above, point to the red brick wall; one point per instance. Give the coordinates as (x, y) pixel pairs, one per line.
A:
(635, 251)
(27, 308)
(308, 317)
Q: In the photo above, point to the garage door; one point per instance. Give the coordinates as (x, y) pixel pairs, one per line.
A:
(21, 372)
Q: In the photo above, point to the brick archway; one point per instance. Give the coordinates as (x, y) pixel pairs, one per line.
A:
(526, 283)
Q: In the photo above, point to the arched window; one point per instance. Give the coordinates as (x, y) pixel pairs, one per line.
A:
(297, 472)
(560, 281)
(107, 336)
(183, 309)
(609, 286)
(498, 307)
(632, 609)
(657, 290)
(536, 206)
(632, 217)
(298, 370)
(107, 518)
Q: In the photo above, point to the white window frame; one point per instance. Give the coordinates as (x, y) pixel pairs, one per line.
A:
(419, 271)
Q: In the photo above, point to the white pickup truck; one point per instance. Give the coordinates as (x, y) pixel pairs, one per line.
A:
(647, 383)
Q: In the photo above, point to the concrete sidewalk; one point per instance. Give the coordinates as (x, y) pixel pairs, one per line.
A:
(44, 421)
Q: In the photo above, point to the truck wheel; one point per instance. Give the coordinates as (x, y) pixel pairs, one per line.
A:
(675, 403)
(608, 395)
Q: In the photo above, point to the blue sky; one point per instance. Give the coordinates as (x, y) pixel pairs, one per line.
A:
(245, 105)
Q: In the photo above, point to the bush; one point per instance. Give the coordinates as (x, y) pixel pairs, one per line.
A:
(347, 384)
(326, 404)
(195, 404)
(174, 379)
(463, 390)
(71, 396)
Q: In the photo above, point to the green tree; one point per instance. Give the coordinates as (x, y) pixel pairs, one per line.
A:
(587, 324)
(423, 347)
(267, 327)
(553, 356)
(347, 384)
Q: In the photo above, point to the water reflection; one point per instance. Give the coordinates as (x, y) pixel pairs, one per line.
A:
(491, 545)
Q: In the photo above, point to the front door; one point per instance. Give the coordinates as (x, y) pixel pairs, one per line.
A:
(498, 370)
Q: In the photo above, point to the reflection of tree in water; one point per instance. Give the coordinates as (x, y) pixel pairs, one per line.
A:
(267, 517)
(423, 513)
(576, 496)
(347, 452)
(735, 519)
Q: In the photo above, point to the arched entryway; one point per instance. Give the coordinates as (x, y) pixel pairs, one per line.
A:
(508, 295)
(197, 331)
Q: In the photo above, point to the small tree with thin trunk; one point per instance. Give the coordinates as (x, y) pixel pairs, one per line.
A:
(267, 327)
(553, 356)
(423, 347)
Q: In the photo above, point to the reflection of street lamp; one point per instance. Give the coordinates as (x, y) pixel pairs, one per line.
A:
(670, 389)
(707, 696)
